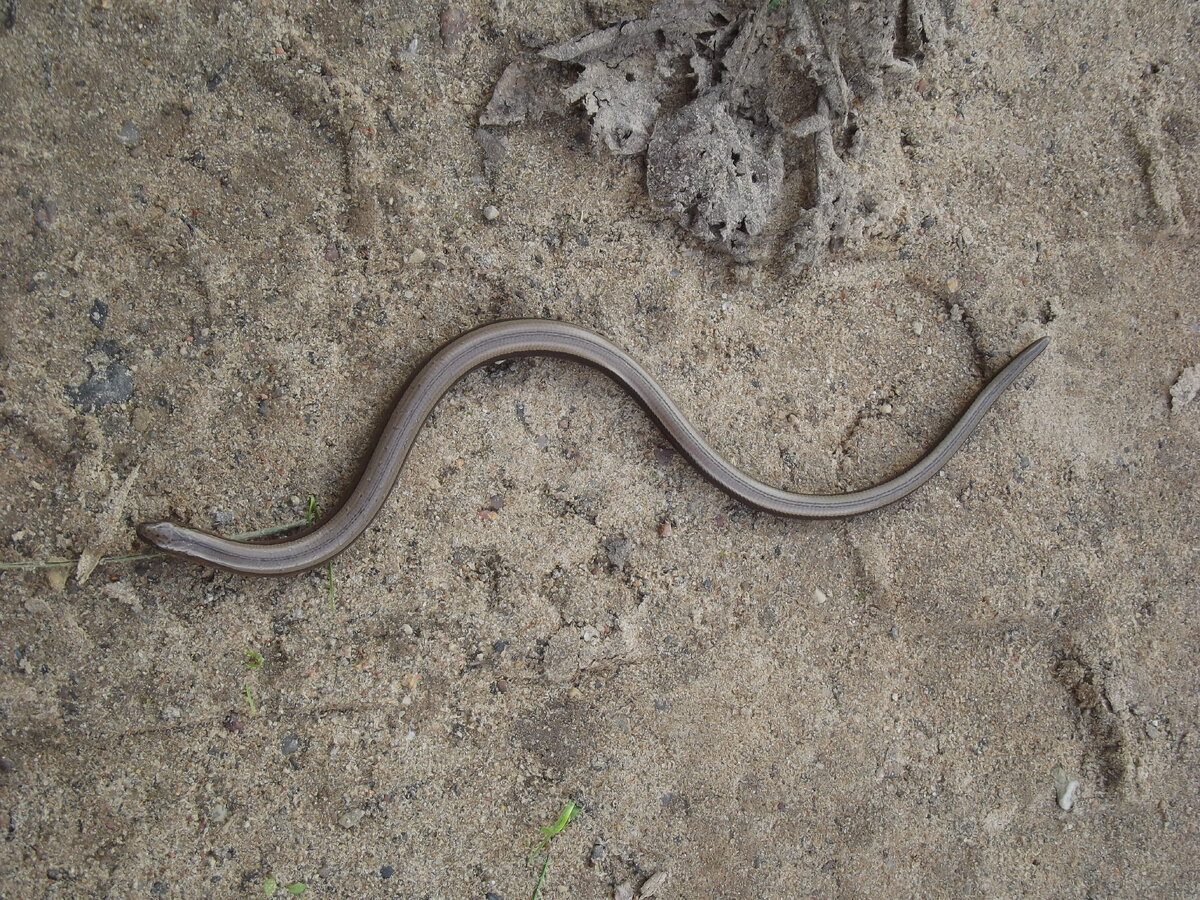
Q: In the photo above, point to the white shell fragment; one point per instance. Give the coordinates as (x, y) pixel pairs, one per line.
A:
(1065, 788)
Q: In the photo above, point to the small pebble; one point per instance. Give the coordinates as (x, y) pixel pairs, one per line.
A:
(618, 550)
(491, 213)
(1186, 388)
(453, 25)
(386, 872)
(665, 530)
(917, 328)
(289, 745)
(820, 596)
(45, 214)
(351, 818)
(129, 135)
(416, 257)
(652, 886)
(952, 285)
(115, 385)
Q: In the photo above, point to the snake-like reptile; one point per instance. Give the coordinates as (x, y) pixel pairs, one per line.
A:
(542, 337)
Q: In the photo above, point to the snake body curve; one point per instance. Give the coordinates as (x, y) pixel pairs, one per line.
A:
(542, 337)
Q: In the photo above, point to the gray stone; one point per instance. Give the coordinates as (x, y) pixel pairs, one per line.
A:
(113, 385)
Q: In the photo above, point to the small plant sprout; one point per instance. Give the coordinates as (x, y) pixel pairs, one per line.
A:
(249, 698)
(272, 884)
(329, 581)
(310, 516)
(254, 660)
(541, 847)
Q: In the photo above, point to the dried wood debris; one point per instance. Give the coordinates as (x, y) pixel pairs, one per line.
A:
(710, 91)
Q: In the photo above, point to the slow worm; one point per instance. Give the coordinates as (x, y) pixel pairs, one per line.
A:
(542, 337)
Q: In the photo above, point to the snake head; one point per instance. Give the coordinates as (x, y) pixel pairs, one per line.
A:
(163, 535)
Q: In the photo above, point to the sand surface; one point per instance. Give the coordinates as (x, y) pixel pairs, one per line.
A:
(230, 230)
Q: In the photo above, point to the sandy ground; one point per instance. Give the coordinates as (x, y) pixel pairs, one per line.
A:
(230, 230)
